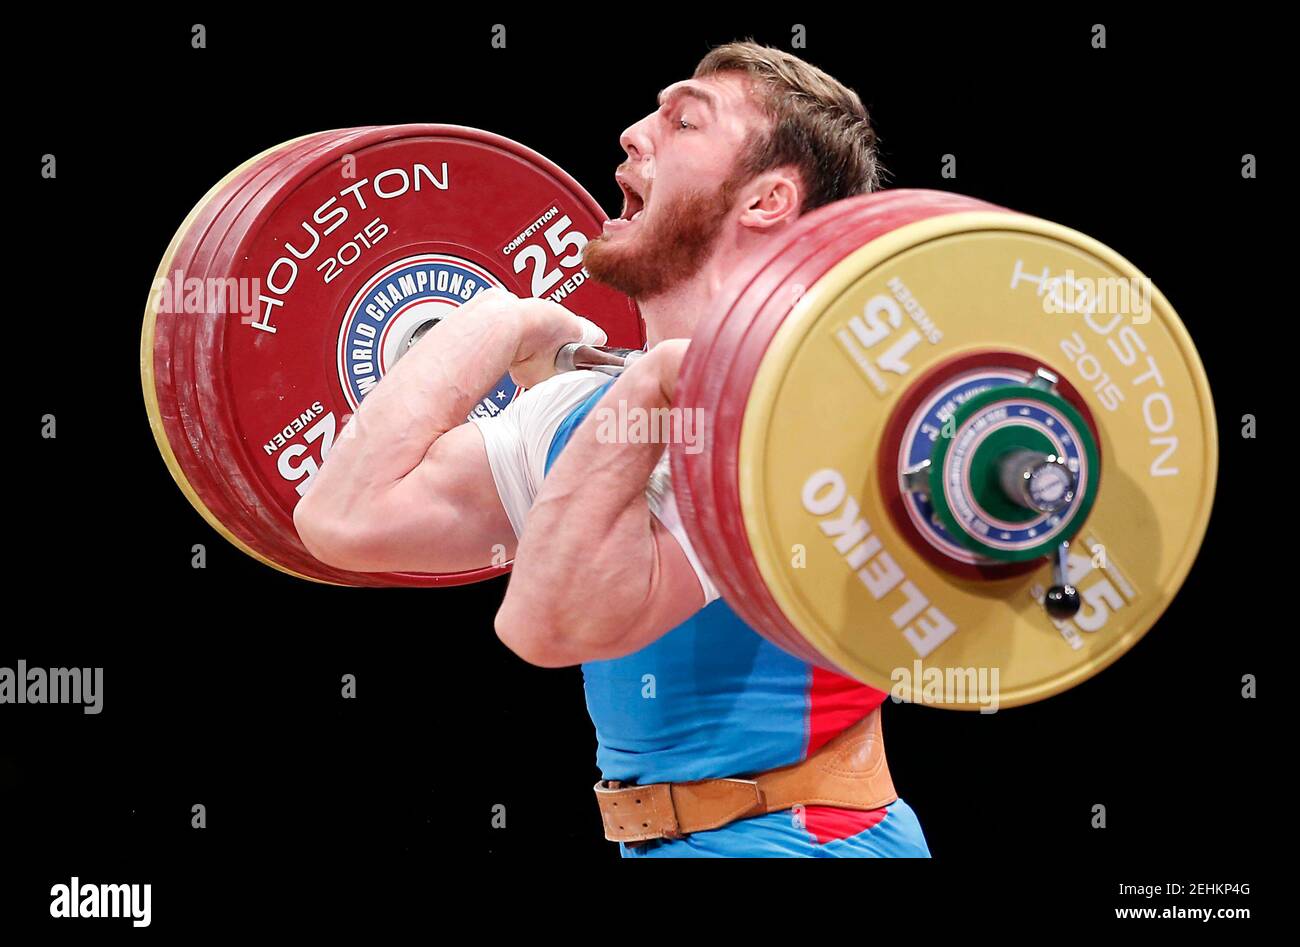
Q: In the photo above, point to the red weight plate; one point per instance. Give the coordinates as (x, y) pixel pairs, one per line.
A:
(784, 292)
(431, 215)
(160, 328)
(917, 394)
(261, 530)
(237, 512)
(872, 219)
(258, 529)
(872, 216)
(704, 377)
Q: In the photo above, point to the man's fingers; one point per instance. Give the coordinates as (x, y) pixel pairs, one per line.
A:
(592, 334)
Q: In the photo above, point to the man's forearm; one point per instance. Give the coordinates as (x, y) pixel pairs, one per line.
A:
(427, 393)
(590, 515)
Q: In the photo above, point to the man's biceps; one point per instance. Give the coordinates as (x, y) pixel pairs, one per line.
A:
(456, 468)
(451, 493)
(449, 504)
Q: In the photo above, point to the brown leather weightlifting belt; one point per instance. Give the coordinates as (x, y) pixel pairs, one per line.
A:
(849, 772)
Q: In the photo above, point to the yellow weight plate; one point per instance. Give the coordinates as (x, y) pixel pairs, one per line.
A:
(826, 388)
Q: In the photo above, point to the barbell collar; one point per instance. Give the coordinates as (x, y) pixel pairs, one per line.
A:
(577, 356)
(1037, 481)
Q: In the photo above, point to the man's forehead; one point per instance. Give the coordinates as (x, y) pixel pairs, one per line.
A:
(721, 90)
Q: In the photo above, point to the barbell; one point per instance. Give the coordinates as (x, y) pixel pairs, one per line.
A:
(937, 434)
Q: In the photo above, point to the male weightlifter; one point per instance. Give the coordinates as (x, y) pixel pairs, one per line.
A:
(739, 749)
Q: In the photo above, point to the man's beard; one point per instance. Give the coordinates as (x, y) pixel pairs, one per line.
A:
(670, 249)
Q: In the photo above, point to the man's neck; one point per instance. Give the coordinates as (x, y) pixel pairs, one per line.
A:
(675, 313)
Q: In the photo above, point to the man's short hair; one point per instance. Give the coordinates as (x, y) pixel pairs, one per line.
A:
(816, 123)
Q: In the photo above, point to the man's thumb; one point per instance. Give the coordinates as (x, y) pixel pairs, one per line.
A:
(592, 334)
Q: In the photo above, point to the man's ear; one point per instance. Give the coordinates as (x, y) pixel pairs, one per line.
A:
(771, 199)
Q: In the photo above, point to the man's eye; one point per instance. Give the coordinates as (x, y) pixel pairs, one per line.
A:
(682, 123)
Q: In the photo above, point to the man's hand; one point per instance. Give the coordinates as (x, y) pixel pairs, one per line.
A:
(611, 580)
(544, 328)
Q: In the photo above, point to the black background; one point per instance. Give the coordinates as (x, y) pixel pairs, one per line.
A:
(222, 685)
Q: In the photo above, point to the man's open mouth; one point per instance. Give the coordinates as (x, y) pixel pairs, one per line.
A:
(633, 201)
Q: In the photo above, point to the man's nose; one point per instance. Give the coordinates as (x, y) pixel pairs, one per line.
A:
(635, 139)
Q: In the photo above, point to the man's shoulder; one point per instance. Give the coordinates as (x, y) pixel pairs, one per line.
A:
(519, 440)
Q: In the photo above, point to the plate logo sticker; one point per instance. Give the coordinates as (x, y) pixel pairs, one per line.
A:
(394, 307)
